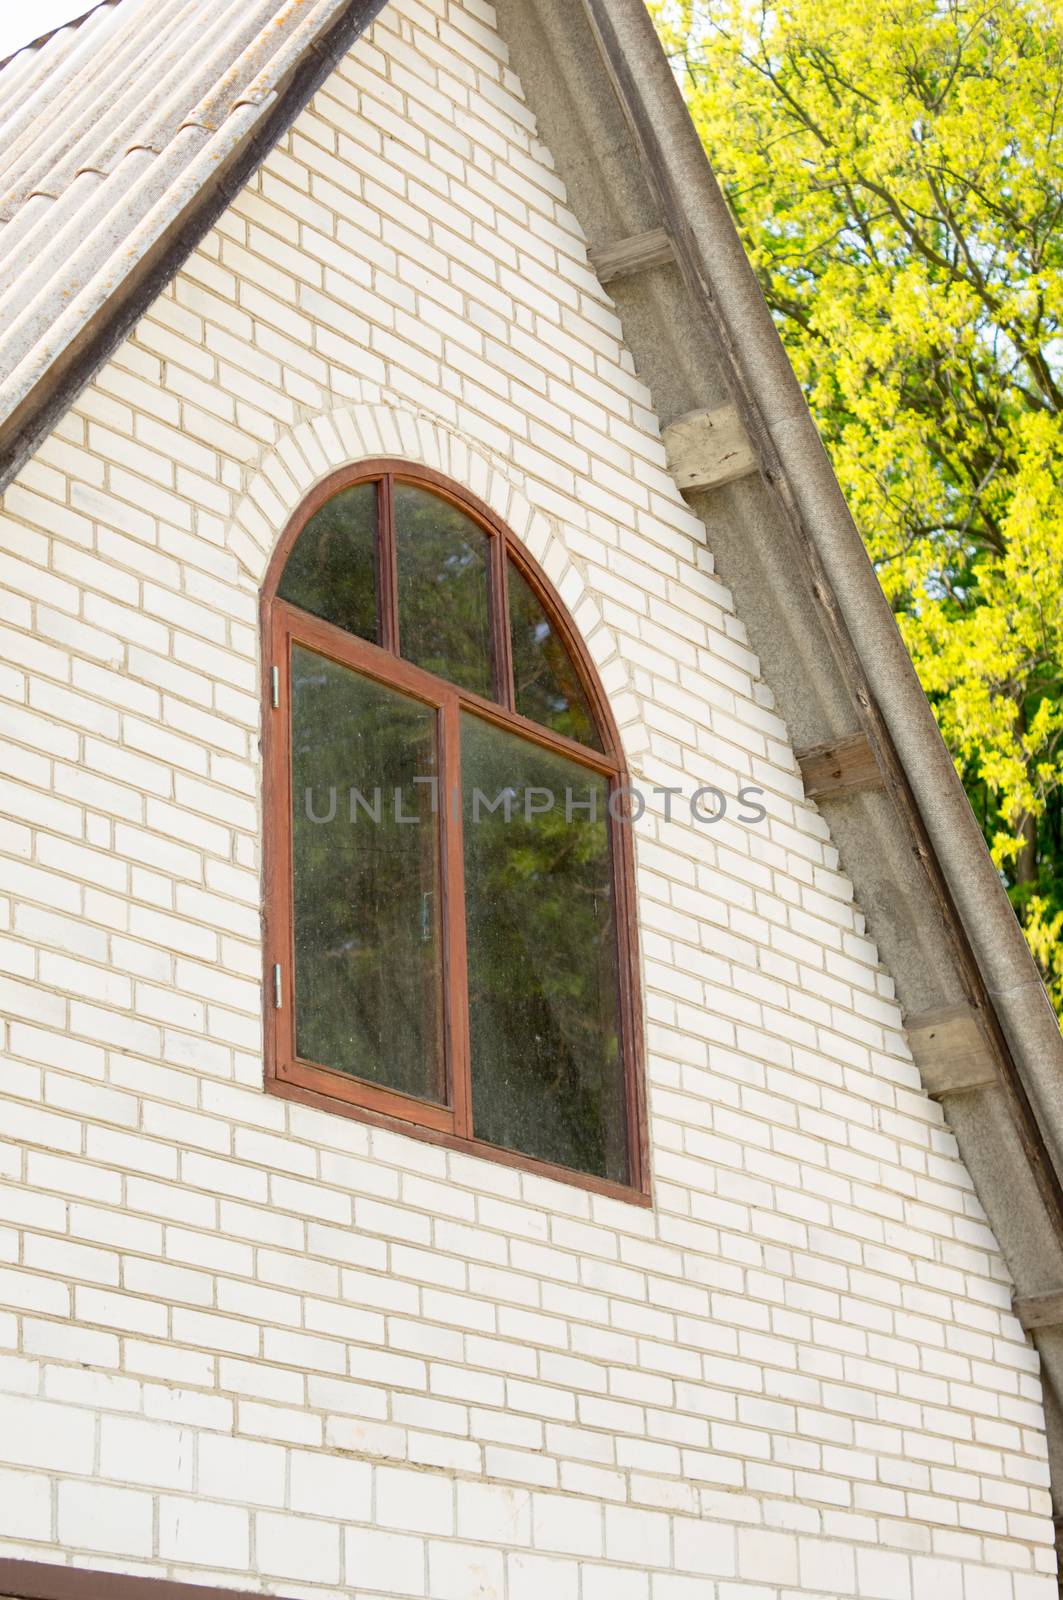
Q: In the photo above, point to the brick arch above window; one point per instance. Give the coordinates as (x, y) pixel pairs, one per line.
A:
(476, 985)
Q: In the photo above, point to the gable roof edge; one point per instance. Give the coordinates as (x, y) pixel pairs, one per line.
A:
(888, 699)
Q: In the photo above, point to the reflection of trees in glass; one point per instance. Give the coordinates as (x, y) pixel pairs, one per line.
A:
(366, 892)
(547, 1076)
(545, 680)
(444, 618)
(331, 571)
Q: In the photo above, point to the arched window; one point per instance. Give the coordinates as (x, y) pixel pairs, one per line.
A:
(449, 894)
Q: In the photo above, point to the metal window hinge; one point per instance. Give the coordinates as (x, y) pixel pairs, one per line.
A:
(276, 679)
(278, 989)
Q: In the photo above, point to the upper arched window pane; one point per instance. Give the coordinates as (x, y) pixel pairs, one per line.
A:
(546, 685)
(331, 572)
(443, 563)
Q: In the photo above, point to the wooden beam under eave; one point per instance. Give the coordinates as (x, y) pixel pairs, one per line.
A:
(951, 1050)
(708, 448)
(1039, 1310)
(637, 254)
(839, 767)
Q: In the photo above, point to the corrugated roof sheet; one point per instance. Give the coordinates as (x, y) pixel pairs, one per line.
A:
(109, 128)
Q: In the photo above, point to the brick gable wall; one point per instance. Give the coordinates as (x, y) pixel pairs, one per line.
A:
(245, 1340)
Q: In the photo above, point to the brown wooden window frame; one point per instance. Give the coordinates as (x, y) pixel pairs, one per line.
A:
(283, 625)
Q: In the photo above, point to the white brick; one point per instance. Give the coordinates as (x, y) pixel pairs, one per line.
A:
(121, 1311)
(766, 1556)
(637, 1537)
(199, 1533)
(705, 1547)
(100, 1517)
(326, 1486)
(138, 1452)
(415, 1502)
(388, 1563)
(25, 1505)
(259, 1469)
(458, 1570)
(567, 1525)
(614, 1583)
(306, 1549)
(883, 1574)
(531, 1577)
(493, 1513)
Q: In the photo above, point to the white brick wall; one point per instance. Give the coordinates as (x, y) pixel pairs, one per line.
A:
(252, 1342)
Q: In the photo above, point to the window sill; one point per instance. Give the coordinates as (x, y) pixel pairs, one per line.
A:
(287, 1090)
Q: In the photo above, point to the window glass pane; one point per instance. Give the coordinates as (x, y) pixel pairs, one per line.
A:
(331, 571)
(444, 617)
(547, 1074)
(368, 992)
(547, 685)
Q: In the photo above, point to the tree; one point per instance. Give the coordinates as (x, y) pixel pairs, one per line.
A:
(895, 169)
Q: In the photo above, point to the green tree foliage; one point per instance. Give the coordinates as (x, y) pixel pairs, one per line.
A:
(894, 167)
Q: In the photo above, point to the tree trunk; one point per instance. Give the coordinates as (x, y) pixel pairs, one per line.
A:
(1026, 860)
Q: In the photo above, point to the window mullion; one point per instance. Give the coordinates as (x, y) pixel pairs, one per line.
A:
(454, 944)
(387, 567)
(504, 687)
(624, 923)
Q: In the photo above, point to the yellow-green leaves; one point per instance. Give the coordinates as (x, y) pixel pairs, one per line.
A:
(896, 172)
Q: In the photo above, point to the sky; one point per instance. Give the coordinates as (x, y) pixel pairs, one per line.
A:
(23, 20)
